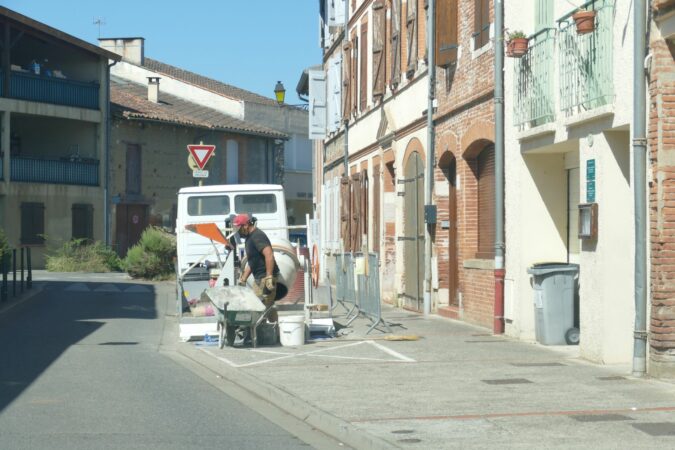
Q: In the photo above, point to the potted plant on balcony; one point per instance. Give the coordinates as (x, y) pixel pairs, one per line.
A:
(585, 20)
(516, 44)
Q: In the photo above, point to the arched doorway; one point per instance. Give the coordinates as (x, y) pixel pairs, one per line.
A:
(413, 216)
(448, 165)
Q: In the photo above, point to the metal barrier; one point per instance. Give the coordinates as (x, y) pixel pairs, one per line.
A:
(8, 263)
(361, 291)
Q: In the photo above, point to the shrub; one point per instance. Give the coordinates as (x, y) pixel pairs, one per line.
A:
(80, 255)
(4, 246)
(152, 257)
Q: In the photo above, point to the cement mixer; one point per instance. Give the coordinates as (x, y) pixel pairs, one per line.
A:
(208, 254)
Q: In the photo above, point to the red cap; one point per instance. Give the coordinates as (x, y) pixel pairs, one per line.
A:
(240, 220)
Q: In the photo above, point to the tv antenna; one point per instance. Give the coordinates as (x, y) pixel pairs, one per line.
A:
(99, 21)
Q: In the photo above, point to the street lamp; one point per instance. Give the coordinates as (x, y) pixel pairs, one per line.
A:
(280, 92)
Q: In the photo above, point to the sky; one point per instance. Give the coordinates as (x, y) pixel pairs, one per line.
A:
(250, 44)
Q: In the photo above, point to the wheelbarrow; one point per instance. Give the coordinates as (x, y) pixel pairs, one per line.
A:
(237, 308)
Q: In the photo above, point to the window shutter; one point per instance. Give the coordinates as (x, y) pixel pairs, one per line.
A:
(482, 22)
(376, 208)
(543, 13)
(83, 218)
(356, 213)
(345, 210)
(317, 104)
(346, 81)
(334, 92)
(336, 13)
(364, 213)
(354, 90)
(32, 223)
(336, 213)
(395, 43)
(378, 50)
(486, 203)
(411, 29)
(446, 32)
(364, 67)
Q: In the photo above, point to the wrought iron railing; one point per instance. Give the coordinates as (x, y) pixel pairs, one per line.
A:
(54, 171)
(586, 62)
(534, 101)
(59, 91)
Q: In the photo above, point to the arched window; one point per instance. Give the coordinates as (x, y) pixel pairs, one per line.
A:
(486, 203)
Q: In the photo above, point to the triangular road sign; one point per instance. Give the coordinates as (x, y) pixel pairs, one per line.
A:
(201, 153)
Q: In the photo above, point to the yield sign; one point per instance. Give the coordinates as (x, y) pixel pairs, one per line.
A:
(201, 153)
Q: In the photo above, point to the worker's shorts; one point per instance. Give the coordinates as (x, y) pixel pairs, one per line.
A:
(265, 294)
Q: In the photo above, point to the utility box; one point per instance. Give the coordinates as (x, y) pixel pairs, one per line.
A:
(555, 288)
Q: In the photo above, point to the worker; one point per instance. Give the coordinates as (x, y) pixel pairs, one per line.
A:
(260, 261)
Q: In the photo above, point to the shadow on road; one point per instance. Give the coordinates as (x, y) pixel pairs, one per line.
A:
(34, 333)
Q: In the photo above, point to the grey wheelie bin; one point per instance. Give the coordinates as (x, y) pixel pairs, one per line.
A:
(554, 293)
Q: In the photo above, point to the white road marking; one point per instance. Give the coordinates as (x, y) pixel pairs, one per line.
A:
(393, 353)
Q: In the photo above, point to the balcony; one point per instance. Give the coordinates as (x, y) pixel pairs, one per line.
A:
(583, 74)
(59, 91)
(78, 172)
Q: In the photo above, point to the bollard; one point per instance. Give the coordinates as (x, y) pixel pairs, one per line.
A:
(29, 280)
(4, 268)
(13, 273)
(22, 250)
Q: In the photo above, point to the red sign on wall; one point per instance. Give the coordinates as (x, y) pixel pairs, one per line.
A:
(201, 153)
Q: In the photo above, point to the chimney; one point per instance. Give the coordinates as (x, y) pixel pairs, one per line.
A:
(130, 49)
(153, 89)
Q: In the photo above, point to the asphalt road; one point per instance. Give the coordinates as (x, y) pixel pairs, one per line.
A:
(82, 366)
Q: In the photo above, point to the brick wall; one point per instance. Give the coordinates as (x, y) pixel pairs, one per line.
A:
(465, 124)
(661, 144)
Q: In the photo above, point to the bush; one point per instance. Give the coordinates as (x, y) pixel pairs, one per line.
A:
(152, 257)
(80, 255)
(4, 246)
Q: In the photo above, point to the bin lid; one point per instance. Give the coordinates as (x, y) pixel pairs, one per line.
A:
(544, 268)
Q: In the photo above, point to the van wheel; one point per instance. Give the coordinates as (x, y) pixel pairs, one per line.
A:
(572, 336)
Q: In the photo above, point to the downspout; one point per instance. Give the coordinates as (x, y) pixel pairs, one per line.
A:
(498, 323)
(106, 173)
(431, 153)
(346, 120)
(640, 189)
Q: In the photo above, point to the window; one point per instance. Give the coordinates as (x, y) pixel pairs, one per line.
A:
(481, 27)
(255, 203)
(212, 205)
(378, 50)
(446, 32)
(32, 223)
(486, 203)
(134, 173)
(83, 221)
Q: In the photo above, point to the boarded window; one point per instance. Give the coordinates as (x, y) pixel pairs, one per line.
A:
(481, 29)
(32, 223)
(134, 172)
(411, 41)
(486, 203)
(446, 32)
(364, 67)
(395, 26)
(378, 50)
(83, 221)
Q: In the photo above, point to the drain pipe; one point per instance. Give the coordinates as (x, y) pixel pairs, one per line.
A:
(498, 323)
(640, 189)
(106, 174)
(431, 154)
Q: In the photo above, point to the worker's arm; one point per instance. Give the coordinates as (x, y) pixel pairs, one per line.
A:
(269, 260)
(244, 276)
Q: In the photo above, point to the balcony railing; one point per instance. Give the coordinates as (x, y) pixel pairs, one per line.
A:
(27, 86)
(54, 171)
(534, 102)
(586, 70)
(581, 65)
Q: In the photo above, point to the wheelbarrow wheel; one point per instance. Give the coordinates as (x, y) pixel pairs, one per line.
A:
(221, 335)
(230, 331)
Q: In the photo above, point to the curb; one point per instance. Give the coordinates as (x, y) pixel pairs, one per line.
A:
(329, 424)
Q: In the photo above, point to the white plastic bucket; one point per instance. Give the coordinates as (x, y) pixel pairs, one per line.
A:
(292, 330)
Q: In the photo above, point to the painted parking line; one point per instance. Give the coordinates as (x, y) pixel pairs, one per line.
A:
(319, 353)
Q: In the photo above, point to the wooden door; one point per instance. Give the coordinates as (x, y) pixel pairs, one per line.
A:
(132, 219)
(413, 238)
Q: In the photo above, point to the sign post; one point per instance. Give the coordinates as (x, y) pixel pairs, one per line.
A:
(200, 155)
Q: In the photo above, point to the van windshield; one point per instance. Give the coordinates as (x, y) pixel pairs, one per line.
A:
(211, 205)
(255, 203)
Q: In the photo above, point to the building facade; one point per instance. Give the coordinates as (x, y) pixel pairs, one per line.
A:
(53, 140)
(568, 191)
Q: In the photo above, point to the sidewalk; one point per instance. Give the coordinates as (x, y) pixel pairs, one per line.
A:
(457, 386)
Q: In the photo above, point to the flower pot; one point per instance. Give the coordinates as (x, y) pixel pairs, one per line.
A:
(585, 21)
(517, 47)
